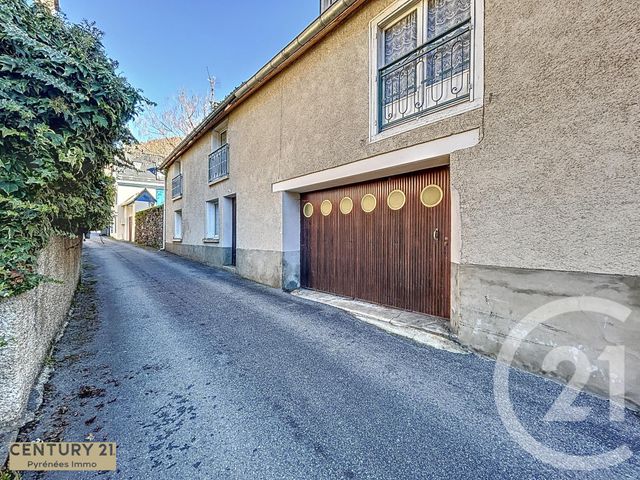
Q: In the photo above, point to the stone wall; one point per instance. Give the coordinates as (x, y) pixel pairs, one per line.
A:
(149, 227)
(29, 324)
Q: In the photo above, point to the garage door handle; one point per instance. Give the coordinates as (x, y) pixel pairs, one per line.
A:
(436, 234)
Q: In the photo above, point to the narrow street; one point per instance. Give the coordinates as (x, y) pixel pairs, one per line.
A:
(198, 374)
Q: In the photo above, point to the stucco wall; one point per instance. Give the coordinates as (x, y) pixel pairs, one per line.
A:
(550, 185)
(253, 162)
(554, 182)
(195, 193)
(313, 116)
(30, 322)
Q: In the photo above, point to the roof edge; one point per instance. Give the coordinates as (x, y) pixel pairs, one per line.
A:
(315, 31)
(134, 198)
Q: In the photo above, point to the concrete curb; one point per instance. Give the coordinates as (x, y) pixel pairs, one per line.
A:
(419, 328)
(430, 339)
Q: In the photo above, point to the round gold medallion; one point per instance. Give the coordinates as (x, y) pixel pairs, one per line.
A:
(396, 200)
(431, 196)
(307, 210)
(368, 203)
(326, 207)
(346, 205)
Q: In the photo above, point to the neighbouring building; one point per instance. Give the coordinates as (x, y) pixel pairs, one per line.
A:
(139, 185)
(52, 5)
(468, 159)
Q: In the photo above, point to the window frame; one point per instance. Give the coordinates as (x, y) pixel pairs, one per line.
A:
(387, 18)
(217, 133)
(177, 225)
(418, 7)
(212, 212)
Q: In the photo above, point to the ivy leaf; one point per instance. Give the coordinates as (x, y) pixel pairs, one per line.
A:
(8, 187)
(100, 120)
(5, 131)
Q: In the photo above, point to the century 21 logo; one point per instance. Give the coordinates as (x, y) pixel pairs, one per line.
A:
(62, 456)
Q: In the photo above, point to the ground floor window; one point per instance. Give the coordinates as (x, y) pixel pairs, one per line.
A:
(177, 226)
(212, 220)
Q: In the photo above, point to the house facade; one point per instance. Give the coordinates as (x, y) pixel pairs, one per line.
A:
(468, 159)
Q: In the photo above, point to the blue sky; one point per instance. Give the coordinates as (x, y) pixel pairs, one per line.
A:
(165, 45)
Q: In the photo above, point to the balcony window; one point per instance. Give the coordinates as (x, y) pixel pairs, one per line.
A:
(401, 38)
(424, 60)
(219, 163)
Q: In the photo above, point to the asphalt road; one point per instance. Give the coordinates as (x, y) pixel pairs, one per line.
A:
(196, 373)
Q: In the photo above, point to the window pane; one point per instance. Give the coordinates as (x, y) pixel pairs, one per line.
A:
(452, 57)
(216, 221)
(401, 37)
(178, 225)
(443, 15)
(210, 220)
(207, 216)
(213, 220)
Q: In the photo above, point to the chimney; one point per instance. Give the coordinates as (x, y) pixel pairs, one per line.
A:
(52, 5)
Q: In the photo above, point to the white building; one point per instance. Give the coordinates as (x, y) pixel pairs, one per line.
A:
(139, 186)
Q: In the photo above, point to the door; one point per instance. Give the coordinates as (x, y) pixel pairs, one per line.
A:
(233, 231)
(384, 241)
(130, 222)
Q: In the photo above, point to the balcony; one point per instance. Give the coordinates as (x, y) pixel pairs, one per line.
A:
(176, 186)
(219, 163)
(429, 78)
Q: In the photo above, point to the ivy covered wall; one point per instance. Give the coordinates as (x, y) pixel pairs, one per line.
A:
(64, 111)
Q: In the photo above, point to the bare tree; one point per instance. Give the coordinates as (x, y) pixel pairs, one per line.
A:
(179, 117)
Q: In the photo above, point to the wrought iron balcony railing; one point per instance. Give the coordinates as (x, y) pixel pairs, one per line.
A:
(432, 76)
(176, 186)
(219, 163)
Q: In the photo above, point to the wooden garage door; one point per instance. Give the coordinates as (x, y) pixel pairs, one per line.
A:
(397, 254)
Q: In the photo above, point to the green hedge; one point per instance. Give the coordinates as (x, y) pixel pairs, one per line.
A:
(64, 111)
